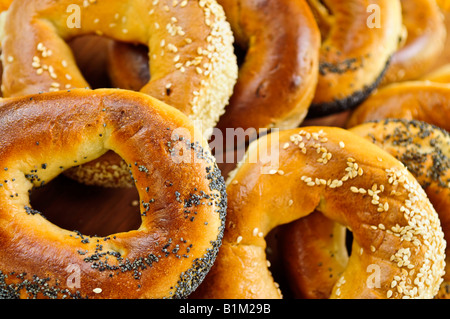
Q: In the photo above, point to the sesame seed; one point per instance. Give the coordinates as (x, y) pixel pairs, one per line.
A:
(97, 290)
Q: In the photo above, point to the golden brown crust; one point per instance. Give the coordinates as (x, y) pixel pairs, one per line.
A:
(357, 45)
(167, 256)
(415, 100)
(278, 76)
(439, 75)
(194, 31)
(425, 151)
(309, 244)
(268, 75)
(423, 148)
(422, 44)
(4, 5)
(444, 5)
(327, 169)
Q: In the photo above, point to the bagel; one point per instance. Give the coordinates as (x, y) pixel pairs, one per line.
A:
(359, 38)
(278, 76)
(175, 32)
(422, 44)
(313, 249)
(268, 34)
(319, 168)
(413, 100)
(181, 222)
(179, 32)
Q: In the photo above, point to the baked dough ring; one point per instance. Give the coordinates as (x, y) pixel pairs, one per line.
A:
(182, 203)
(423, 42)
(189, 30)
(313, 249)
(278, 75)
(175, 33)
(414, 100)
(424, 149)
(358, 39)
(318, 169)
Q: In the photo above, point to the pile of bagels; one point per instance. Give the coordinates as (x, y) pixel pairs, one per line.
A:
(280, 149)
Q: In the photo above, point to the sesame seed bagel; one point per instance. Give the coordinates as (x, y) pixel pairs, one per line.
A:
(317, 169)
(176, 33)
(268, 35)
(359, 38)
(313, 248)
(181, 221)
(412, 100)
(422, 43)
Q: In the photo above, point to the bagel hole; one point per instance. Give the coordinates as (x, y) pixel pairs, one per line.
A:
(142, 66)
(276, 267)
(240, 53)
(275, 263)
(90, 210)
(90, 53)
